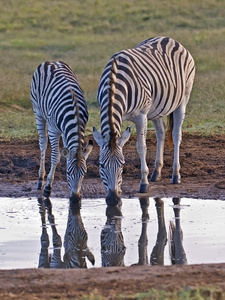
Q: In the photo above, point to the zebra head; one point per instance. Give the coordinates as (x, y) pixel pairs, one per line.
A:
(111, 163)
(76, 169)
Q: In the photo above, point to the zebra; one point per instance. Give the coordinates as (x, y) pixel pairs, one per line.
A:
(59, 105)
(148, 82)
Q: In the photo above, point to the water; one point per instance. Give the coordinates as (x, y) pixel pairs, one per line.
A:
(138, 233)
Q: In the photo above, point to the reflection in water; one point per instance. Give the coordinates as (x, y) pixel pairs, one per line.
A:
(177, 253)
(112, 242)
(143, 240)
(75, 240)
(157, 255)
(113, 248)
(44, 259)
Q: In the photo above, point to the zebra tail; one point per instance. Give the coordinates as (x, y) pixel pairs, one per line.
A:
(170, 130)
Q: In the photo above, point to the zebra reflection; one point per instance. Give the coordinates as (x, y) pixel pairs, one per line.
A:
(45, 259)
(157, 255)
(143, 240)
(177, 253)
(75, 240)
(112, 243)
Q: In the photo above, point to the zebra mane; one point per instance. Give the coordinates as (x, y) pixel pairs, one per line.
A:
(80, 136)
(112, 83)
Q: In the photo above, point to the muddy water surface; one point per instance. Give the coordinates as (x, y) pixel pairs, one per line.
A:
(51, 233)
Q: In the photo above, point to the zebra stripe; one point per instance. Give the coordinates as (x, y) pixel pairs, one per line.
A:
(148, 82)
(59, 105)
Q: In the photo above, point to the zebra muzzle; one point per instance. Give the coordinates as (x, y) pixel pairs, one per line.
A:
(75, 198)
(112, 198)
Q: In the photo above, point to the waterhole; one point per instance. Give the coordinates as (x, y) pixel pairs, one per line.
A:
(147, 231)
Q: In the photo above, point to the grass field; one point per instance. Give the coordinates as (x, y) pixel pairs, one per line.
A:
(85, 34)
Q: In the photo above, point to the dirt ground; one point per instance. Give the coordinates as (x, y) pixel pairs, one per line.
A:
(203, 176)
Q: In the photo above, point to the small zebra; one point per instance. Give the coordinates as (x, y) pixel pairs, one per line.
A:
(59, 105)
(148, 82)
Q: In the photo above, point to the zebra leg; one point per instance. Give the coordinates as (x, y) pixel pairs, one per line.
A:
(55, 159)
(43, 142)
(141, 128)
(160, 136)
(178, 117)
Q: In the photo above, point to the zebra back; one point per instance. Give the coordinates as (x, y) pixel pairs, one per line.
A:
(58, 98)
(154, 75)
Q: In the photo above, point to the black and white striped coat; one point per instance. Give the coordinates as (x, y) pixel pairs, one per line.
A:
(148, 82)
(60, 109)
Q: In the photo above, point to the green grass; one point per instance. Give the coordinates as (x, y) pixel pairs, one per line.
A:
(85, 34)
(186, 293)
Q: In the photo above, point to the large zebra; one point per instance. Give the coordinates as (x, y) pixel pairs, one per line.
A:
(148, 82)
(59, 105)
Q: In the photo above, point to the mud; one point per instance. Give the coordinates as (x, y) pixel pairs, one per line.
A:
(202, 162)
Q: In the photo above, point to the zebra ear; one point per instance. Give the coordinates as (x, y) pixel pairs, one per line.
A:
(67, 153)
(98, 137)
(87, 149)
(124, 138)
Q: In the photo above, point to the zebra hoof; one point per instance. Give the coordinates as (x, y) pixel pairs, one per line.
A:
(175, 179)
(143, 188)
(155, 176)
(39, 185)
(47, 191)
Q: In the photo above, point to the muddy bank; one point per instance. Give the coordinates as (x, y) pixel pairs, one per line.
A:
(202, 169)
